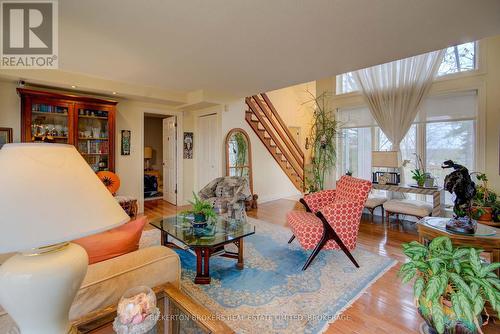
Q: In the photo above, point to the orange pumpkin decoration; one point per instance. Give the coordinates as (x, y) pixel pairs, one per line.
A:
(110, 180)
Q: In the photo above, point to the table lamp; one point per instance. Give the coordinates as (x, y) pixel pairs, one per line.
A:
(387, 159)
(49, 196)
(148, 155)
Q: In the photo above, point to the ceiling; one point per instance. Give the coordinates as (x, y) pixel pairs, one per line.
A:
(244, 47)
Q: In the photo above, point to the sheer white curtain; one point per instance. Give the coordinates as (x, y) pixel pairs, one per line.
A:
(395, 91)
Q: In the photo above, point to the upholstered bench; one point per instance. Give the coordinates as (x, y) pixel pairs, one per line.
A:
(408, 207)
(374, 202)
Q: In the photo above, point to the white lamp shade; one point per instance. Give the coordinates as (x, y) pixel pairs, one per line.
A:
(49, 194)
(387, 159)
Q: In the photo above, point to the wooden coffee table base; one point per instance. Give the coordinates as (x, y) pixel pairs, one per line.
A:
(203, 255)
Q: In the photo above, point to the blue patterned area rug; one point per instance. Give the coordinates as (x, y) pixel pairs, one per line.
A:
(272, 294)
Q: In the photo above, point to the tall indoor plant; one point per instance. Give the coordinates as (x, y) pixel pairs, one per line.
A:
(323, 133)
(451, 285)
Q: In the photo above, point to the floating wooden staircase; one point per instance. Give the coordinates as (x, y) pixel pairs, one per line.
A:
(275, 135)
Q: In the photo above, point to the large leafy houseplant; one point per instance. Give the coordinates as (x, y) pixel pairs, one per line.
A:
(324, 129)
(451, 285)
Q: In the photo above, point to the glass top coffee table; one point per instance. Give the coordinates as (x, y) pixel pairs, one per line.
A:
(207, 241)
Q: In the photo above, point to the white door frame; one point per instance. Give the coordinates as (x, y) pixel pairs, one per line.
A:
(168, 196)
(180, 174)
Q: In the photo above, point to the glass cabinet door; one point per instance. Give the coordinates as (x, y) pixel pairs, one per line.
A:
(49, 122)
(93, 137)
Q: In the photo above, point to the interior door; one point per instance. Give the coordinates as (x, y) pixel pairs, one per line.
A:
(208, 153)
(169, 160)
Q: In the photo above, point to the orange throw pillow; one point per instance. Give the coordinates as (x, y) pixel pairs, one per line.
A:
(115, 242)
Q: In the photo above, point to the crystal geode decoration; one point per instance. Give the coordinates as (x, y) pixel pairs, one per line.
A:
(137, 312)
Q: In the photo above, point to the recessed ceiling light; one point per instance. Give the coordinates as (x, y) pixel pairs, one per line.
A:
(73, 86)
(114, 93)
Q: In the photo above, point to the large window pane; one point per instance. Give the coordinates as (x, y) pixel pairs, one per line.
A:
(458, 58)
(449, 141)
(355, 152)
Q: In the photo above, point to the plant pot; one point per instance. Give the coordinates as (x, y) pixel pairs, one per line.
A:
(452, 327)
(421, 183)
(200, 218)
(486, 216)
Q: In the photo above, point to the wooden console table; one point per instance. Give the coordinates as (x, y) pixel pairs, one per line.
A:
(437, 195)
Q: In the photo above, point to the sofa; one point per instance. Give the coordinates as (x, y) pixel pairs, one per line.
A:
(106, 281)
(228, 195)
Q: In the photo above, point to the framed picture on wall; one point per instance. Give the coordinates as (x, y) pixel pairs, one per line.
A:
(125, 142)
(5, 136)
(188, 145)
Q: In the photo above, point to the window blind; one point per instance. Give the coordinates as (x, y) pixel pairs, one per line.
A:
(439, 108)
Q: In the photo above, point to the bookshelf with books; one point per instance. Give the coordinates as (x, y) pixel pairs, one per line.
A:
(87, 123)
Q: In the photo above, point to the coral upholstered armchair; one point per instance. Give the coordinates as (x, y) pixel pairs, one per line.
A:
(332, 218)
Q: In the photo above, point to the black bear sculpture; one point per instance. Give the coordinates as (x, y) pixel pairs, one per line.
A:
(460, 183)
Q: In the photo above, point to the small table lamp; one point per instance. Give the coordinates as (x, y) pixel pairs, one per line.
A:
(49, 196)
(387, 159)
(148, 155)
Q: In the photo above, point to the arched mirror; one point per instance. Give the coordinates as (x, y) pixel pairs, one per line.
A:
(239, 155)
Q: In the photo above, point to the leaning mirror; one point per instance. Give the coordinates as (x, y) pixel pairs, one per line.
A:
(239, 155)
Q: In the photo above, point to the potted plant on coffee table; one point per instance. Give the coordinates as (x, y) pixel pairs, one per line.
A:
(201, 210)
(484, 200)
(451, 285)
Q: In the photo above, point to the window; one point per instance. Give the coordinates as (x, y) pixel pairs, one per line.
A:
(445, 129)
(458, 58)
(355, 143)
(453, 140)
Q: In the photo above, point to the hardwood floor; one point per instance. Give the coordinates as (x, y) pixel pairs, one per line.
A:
(387, 306)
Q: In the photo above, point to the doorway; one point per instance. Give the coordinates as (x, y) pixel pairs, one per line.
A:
(160, 157)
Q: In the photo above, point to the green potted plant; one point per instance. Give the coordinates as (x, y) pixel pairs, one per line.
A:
(451, 285)
(484, 200)
(201, 210)
(419, 174)
(324, 130)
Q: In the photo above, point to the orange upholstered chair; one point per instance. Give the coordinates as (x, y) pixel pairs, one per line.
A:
(332, 218)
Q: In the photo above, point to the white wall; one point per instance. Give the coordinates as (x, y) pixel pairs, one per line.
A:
(269, 180)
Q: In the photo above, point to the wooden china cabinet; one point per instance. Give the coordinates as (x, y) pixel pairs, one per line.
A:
(87, 123)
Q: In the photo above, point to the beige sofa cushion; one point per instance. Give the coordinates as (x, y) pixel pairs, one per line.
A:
(106, 281)
(408, 207)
